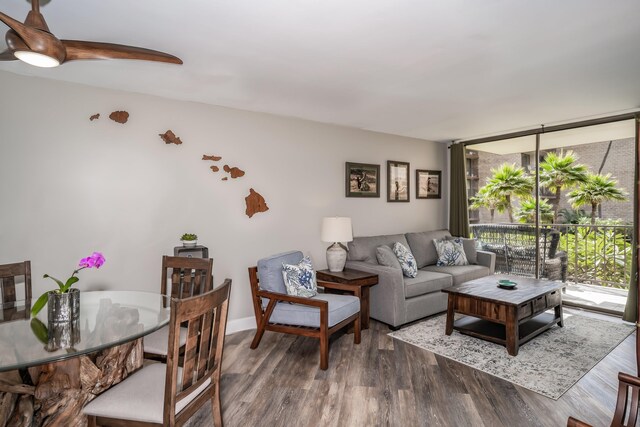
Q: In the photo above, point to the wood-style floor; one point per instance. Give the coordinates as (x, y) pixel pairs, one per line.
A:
(386, 382)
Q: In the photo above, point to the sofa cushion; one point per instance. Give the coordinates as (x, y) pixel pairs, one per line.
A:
(270, 270)
(450, 252)
(469, 249)
(340, 307)
(386, 257)
(364, 248)
(461, 273)
(406, 259)
(422, 248)
(426, 282)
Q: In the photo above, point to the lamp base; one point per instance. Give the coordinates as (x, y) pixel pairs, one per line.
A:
(336, 257)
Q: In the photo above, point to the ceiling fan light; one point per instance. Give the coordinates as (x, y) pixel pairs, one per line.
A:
(36, 59)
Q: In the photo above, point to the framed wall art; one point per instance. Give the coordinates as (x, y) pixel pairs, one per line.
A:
(428, 184)
(362, 180)
(397, 181)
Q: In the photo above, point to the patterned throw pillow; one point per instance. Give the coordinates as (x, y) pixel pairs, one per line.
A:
(406, 259)
(300, 279)
(450, 252)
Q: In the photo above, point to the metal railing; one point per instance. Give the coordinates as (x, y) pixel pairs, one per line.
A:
(596, 254)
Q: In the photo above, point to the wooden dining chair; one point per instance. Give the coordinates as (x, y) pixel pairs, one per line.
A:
(317, 317)
(626, 405)
(168, 395)
(10, 275)
(189, 277)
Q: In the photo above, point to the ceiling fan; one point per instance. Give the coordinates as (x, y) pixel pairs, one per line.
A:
(33, 43)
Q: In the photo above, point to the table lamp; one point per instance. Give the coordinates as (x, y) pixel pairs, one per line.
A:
(336, 230)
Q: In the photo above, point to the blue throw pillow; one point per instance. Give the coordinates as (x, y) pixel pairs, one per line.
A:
(300, 279)
(406, 259)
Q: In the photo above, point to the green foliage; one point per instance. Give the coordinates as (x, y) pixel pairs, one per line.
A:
(509, 181)
(561, 172)
(527, 212)
(596, 190)
(598, 254)
(572, 216)
(189, 237)
(484, 199)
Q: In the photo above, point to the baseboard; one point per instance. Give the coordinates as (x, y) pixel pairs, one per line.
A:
(242, 324)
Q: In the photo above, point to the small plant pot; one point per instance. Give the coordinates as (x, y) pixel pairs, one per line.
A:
(63, 308)
(189, 243)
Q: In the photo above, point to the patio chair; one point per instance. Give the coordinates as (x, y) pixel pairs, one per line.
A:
(189, 277)
(317, 317)
(626, 405)
(168, 395)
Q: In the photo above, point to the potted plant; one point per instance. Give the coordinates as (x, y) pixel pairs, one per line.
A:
(63, 302)
(189, 240)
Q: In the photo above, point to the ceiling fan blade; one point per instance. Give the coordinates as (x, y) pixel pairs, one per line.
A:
(22, 30)
(95, 50)
(7, 55)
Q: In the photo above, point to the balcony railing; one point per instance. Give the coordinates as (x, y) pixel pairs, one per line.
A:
(595, 254)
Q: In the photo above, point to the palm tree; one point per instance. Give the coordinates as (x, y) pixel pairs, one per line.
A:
(596, 190)
(509, 181)
(484, 199)
(560, 172)
(527, 211)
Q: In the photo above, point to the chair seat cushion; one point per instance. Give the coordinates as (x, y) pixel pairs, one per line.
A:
(139, 397)
(461, 273)
(157, 342)
(340, 307)
(425, 282)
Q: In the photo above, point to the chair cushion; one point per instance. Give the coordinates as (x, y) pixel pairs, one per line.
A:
(406, 259)
(139, 397)
(340, 307)
(364, 248)
(461, 273)
(158, 341)
(386, 257)
(426, 282)
(300, 279)
(422, 248)
(470, 249)
(450, 252)
(270, 270)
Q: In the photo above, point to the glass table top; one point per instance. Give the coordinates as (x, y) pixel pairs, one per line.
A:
(107, 318)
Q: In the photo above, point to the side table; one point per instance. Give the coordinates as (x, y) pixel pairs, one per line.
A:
(351, 281)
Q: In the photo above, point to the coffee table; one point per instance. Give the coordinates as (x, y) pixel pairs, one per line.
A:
(508, 317)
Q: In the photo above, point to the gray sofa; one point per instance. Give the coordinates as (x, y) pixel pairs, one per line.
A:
(397, 299)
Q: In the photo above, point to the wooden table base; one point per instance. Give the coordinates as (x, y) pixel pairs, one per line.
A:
(54, 394)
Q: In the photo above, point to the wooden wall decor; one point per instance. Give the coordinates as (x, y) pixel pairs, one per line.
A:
(225, 178)
(233, 171)
(170, 138)
(255, 203)
(119, 117)
(214, 168)
(212, 158)
(95, 117)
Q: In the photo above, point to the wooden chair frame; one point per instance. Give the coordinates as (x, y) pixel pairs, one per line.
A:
(8, 273)
(626, 383)
(206, 317)
(322, 333)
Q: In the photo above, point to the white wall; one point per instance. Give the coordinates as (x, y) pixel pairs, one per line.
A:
(69, 186)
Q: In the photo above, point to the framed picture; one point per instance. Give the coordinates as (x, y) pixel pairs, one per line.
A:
(362, 180)
(397, 181)
(428, 184)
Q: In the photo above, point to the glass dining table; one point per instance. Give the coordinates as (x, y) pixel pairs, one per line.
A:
(63, 365)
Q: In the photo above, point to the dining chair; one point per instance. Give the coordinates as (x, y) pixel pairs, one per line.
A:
(189, 277)
(626, 413)
(316, 317)
(10, 275)
(169, 394)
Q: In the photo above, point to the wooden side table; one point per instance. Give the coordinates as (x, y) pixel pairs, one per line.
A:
(351, 281)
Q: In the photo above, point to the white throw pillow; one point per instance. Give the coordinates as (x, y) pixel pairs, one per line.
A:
(406, 259)
(300, 279)
(450, 252)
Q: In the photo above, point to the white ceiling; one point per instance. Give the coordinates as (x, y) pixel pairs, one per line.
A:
(437, 70)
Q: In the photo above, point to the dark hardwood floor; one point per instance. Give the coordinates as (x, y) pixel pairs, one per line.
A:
(384, 382)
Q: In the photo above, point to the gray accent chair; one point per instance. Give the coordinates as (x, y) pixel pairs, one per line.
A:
(317, 317)
(397, 299)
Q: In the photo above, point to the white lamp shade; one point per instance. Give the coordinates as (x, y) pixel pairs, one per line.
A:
(336, 229)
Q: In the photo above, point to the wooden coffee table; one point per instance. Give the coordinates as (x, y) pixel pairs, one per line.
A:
(508, 317)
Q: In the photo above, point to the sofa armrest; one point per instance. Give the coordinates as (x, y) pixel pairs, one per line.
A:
(488, 259)
(387, 301)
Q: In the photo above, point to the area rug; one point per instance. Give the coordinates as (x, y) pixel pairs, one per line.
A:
(549, 364)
